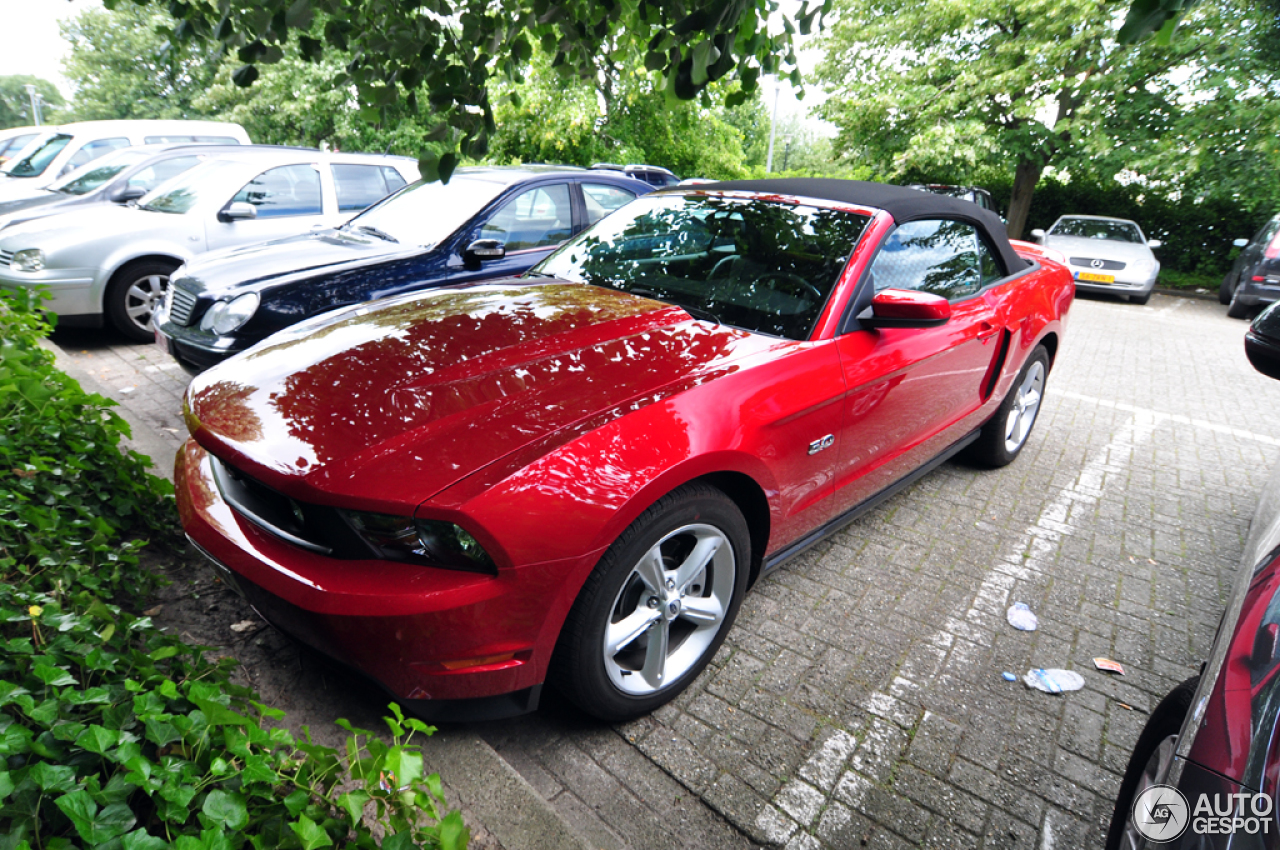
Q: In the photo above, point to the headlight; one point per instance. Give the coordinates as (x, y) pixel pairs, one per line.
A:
(429, 541)
(28, 260)
(226, 316)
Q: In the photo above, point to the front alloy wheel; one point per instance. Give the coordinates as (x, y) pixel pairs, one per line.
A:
(133, 296)
(656, 607)
(669, 610)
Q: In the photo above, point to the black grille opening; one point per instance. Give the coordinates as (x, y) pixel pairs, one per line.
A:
(316, 528)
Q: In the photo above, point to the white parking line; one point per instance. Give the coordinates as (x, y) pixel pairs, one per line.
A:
(799, 800)
(1173, 417)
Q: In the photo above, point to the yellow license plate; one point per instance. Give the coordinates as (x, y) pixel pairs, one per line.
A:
(1094, 277)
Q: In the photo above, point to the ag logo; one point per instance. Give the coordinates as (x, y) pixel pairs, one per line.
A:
(1160, 813)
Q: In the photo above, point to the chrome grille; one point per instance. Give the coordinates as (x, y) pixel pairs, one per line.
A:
(183, 303)
(1088, 263)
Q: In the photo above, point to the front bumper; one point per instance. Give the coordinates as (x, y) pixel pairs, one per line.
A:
(194, 350)
(72, 292)
(421, 633)
(1121, 285)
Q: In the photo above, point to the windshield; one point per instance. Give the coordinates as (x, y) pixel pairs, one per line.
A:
(757, 265)
(84, 180)
(37, 157)
(1098, 228)
(182, 193)
(425, 213)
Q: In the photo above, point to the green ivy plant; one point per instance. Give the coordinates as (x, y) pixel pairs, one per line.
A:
(115, 735)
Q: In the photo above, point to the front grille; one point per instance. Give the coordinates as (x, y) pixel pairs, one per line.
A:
(1088, 263)
(316, 528)
(6, 257)
(183, 303)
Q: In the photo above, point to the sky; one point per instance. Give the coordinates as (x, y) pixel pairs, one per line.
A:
(32, 44)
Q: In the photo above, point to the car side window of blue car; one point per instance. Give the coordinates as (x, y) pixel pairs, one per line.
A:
(947, 258)
(287, 190)
(601, 200)
(536, 218)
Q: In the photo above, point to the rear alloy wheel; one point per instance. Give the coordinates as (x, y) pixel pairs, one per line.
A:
(1149, 763)
(133, 296)
(1237, 310)
(1004, 435)
(657, 606)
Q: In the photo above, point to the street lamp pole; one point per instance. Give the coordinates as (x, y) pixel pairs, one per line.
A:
(35, 106)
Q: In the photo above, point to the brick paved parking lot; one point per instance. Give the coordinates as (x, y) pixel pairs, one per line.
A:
(859, 700)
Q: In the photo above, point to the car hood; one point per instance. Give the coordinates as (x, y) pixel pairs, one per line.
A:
(393, 402)
(15, 189)
(266, 262)
(11, 202)
(1107, 249)
(71, 227)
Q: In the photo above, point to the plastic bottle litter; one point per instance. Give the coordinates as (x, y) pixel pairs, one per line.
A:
(1053, 680)
(1021, 617)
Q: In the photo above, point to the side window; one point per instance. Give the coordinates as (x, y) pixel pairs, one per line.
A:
(533, 219)
(288, 190)
(358, 186)
(93, 150)
(947, 258)
(153, 175)
(394, 179)
(602, 200)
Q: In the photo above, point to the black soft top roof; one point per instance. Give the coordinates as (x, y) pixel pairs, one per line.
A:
(902, 203)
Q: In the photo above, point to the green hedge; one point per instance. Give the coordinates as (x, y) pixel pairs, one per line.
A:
(1197, 236)
(114, 735)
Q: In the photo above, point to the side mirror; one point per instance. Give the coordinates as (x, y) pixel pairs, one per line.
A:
(125, 194)
(483, 249)
(1262, 342)
(1038, 234)
(1154, 244)
(1240, 243)
(239, 211)
(905, 308)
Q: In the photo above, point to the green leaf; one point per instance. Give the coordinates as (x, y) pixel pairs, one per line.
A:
(453, 833)
(448, 162)
(704, 55)
(244, 76)
(310, 833)
(227, 810)
(140, 840)
(352, 803)
(53, 676)
(98, 740)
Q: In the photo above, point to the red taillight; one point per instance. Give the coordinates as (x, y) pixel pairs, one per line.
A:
(1273, 248)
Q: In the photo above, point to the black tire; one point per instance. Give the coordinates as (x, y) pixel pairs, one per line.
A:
(1002, 438)
(1148, 764)
(641, 674)
(1140, 299)
(1237, 310)
(133, 294)
(1226, 290)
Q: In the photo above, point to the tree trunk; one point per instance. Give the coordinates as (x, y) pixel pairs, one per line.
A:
(1025, 178)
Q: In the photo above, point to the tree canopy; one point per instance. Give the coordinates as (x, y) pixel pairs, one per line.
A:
(451, 49)
(933, 86)
(15, 101)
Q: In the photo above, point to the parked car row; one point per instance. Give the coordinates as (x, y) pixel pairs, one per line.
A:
(102, 260)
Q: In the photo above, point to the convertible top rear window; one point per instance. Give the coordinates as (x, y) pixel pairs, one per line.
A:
(758, 265)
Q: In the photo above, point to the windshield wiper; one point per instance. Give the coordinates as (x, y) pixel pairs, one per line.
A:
(696, 312)
(381, 234)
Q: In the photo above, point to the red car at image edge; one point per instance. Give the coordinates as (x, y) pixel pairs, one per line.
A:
(574, 476)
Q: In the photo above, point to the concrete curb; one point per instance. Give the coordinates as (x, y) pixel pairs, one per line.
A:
(501, 799)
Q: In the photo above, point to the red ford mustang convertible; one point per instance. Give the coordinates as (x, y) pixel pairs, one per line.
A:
(574, 476)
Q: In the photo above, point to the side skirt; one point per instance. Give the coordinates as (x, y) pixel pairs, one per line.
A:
(832, 526)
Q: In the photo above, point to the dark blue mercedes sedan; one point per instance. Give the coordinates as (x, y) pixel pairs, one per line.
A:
(483, 223)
